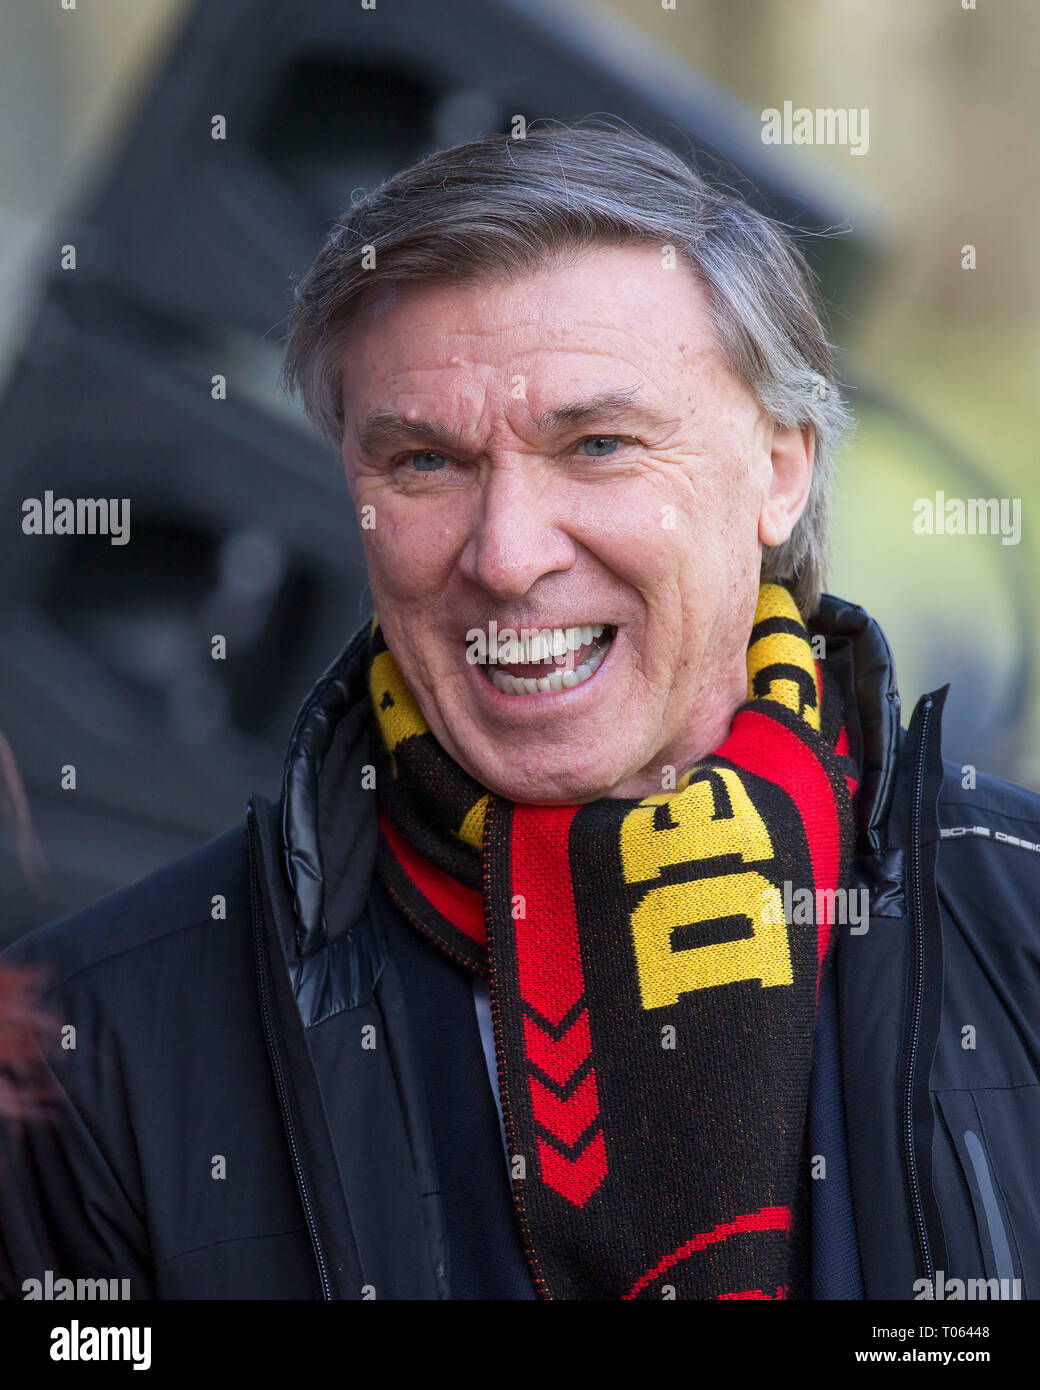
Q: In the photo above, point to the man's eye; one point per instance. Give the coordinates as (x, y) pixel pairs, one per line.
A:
(596, 445)
(427, 461)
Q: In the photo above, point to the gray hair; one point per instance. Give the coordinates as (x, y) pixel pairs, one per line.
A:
(501, 206)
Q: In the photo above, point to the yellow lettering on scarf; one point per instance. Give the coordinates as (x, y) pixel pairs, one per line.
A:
(697, 833)
(782, 649)
(665, 974)
(396, 707)
(471, 831)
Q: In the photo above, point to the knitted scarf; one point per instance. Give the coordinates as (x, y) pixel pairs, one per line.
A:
(653, 1004)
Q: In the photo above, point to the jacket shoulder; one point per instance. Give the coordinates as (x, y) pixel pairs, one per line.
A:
(176, 898)
(988, 869)
(990, 797)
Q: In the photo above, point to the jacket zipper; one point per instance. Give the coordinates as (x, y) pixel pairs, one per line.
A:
(279, 1078)
(917, 924)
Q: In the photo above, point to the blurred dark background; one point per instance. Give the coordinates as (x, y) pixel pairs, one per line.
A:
(240, 522)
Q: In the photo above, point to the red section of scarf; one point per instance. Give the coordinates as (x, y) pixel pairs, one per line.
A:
(462, 906)
(543, 909)
(559, 1058)
(770, 750)
(547, 931)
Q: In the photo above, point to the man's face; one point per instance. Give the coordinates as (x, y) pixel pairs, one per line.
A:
(565, 451)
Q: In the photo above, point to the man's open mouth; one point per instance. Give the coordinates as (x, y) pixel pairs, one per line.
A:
(549, 659)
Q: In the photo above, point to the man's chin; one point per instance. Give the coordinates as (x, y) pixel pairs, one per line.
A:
(545, 777)
(544, 749)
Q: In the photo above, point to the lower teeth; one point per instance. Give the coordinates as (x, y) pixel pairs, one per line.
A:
(558, 680)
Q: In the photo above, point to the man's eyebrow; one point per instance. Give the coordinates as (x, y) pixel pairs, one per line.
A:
(384, 428)
(607, 408)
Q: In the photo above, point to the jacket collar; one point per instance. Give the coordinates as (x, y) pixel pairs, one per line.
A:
(329, 828)
(328, 824)
(857, 647)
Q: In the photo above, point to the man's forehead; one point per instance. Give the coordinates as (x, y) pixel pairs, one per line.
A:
(439, 351)
(603, 285)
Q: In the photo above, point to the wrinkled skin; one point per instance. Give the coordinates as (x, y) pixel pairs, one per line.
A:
(650, 516)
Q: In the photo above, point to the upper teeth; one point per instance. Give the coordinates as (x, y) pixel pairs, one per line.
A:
(537, 648)
(546, 644)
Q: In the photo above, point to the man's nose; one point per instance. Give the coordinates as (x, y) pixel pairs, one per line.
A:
(518, 537)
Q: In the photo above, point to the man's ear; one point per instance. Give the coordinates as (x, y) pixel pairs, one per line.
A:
(792, 468)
